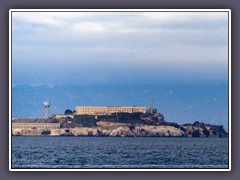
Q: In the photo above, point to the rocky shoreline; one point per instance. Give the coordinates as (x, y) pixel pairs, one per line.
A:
(189, 130)
(119, 125)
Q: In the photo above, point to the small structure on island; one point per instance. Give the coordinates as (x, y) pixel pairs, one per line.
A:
(152, 110)
(151, 106)
(46, 110)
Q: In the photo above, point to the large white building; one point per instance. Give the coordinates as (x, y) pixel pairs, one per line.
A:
(106, 110)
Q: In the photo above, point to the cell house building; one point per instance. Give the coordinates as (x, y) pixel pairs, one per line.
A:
(106, 110)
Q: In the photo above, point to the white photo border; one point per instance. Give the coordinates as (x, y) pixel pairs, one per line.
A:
(120, 10)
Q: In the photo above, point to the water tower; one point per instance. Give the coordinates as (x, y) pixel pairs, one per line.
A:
(46, 112)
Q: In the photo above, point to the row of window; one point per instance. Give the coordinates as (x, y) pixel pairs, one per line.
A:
(35, 125)
(110, 109)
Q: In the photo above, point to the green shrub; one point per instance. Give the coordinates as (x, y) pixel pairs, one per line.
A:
(86, 120)
(206, 132)
(131, 127)
(68, 112)
(196, 133)
(183, 129)
(196, 123)
(47, 132)
(170, 124)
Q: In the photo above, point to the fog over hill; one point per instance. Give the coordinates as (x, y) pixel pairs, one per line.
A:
(178, 103)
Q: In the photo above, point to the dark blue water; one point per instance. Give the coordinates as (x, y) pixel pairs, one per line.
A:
(119, 152)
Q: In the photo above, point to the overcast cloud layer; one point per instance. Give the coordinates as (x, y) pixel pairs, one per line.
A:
(119, 47)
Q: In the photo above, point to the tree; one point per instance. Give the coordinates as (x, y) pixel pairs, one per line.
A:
(196, 133)
(196, 123)
(47, 132)
(86, 120)
(68, 112)
(206, 132)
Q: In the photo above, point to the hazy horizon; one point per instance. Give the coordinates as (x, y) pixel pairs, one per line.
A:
(178, 103)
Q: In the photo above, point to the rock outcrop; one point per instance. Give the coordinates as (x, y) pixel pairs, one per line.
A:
(189, 130)
(122, 124)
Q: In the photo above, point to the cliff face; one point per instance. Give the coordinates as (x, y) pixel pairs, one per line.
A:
(203, 130)
(122, 124)
(127, 131)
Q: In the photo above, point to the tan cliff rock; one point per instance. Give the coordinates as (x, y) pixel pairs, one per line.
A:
(98, 131)
(130, 130)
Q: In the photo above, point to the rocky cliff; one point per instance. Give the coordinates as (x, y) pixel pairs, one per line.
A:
(130, 131)
(122, 124)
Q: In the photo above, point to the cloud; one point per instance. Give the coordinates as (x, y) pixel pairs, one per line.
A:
(37, 18)
(88, 27)
(102, 40)
(184, 17)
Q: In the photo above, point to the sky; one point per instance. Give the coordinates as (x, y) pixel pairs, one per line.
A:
(91, 48)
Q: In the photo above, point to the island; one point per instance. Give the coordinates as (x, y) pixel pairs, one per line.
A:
(135, 123)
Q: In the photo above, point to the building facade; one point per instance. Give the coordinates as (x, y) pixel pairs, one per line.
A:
(36, 125)
(106, 110)
(58, 116)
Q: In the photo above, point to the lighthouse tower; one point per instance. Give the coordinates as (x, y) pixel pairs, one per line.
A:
(151, 106)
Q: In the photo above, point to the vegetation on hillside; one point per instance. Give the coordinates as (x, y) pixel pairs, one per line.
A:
(85, 120)
(47, 132)
(131, 120)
